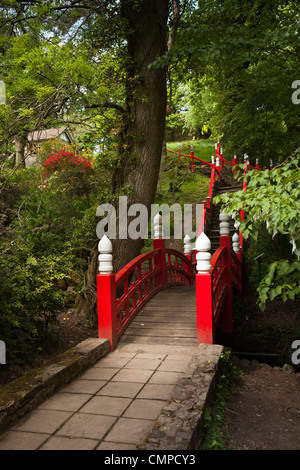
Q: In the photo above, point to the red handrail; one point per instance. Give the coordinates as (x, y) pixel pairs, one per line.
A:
(139, 280)
(179, 272)
(137, 292)
(219, 281)
(207, 207)
(192, 157)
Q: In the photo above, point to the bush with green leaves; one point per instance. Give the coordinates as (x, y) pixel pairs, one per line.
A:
(31, 295)
(271, 203)
(48, 233)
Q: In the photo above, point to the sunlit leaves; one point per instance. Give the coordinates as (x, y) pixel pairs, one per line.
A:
(272, 201)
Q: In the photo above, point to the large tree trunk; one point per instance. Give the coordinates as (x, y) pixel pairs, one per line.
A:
(142, 135)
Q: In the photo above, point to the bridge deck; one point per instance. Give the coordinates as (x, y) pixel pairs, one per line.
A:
(169, 318)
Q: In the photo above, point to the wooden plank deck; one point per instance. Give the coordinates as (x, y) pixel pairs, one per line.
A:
(169, 318)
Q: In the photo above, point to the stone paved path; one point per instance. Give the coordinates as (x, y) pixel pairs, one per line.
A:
(113, 405)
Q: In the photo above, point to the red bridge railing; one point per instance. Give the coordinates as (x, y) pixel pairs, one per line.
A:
(121, 296)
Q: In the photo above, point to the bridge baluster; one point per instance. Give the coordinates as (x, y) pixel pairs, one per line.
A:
(204, 294)
(225, 242)
(106, 293)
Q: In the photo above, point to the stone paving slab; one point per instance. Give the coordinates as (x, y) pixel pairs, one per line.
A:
(140, 396)
(26, 392)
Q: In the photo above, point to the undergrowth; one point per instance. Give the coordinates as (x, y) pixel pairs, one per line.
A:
(214, 434)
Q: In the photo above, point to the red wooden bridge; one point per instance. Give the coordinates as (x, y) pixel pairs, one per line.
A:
(169, 297)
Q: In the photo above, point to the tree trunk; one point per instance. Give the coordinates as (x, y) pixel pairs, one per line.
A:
(20, 157)
(142, 135)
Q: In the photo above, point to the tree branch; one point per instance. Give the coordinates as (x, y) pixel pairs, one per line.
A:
(107, 104)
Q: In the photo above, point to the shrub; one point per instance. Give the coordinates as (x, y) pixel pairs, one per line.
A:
(72, 171)
(30, 298)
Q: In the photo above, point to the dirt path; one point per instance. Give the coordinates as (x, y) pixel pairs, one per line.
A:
(264, 412)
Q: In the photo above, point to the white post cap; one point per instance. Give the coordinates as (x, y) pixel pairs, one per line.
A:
(236, 243)
(203, 257)
(187, 245)
(105, 256)
(224, 224)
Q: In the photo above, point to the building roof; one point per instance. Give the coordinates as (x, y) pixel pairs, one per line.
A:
(46, 134)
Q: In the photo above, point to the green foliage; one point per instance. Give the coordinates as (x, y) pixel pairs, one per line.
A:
(174, 126)
(31, 296)
(229, 57)
(48, 234)
(202, 148)
(271, 203)
(282, 280)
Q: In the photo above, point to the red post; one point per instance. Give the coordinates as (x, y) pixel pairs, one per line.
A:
(187, 267)
(227, 314)
(192, 159)
(239, 256)
(106, 305)
(204, 291)
(217, 147)
(221, 159)
(204, 307)
(160, 260)
(234, 163)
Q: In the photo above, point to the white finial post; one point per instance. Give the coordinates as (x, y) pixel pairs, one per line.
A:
(203, 256)
(213, 160)
(218, 163)
(105, 256)
(236, 243)
(179, 151)
(224, 224)
(188, 254)
(187, 245)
